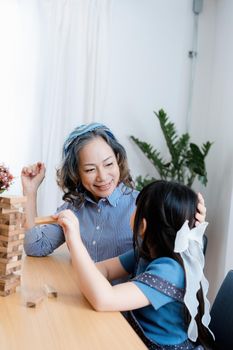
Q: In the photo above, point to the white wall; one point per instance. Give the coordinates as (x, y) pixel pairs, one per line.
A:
(149, 70)
(212, 120)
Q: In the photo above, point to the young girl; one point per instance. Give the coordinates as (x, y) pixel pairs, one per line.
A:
(166, 266)
(98, 188)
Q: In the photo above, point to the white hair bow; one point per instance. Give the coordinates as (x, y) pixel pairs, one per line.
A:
(189, 243)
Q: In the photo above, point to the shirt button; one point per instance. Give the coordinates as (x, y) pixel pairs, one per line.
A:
(94, 242)
(98, 210)
(97, 227)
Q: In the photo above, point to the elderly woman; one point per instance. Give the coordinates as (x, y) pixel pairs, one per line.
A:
(98, 188)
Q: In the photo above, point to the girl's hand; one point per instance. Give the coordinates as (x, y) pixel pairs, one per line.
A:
(70, 224)
(201, 210)
(32, 176)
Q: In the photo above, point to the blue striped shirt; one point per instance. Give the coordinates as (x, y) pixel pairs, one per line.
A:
(104, 227)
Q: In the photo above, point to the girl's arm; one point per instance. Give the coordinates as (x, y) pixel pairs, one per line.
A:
(92, 280)
(111, 269)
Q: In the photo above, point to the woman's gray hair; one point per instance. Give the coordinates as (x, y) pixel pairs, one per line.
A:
(68, 177)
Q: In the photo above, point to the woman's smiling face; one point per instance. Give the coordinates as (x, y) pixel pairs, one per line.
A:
(98, 168)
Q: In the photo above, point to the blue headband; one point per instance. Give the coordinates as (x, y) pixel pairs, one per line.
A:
(83, 129)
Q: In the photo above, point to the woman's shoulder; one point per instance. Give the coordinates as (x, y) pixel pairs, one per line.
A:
(66, 205)
(123, 196)
(125, 190)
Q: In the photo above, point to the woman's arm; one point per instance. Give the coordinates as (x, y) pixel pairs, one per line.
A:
(201, 210)
(92, 280)
(31, 178)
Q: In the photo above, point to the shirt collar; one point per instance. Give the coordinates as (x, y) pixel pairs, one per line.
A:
(112, 199)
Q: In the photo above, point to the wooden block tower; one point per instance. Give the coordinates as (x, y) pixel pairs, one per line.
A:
(12, 218)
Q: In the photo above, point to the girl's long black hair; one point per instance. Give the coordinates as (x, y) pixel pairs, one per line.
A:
(166, 206)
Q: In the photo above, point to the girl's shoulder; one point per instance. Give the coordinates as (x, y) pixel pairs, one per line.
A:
(162, 282)
(167, 269)
(166, 261)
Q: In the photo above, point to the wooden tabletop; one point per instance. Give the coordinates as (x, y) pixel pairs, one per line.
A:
(64, 323)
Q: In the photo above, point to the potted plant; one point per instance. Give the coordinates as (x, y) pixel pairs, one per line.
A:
(187, 160)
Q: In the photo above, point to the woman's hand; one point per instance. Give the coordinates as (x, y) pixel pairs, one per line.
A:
(201, 210)
(31, 177)
(70, 224)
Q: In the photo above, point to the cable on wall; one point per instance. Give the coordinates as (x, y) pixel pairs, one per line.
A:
(192, 54)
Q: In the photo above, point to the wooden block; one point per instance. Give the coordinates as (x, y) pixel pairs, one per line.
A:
(10, 257)
(7, 255)
(12, 200)
(7, 216)
(9, 291)
(50, 291)
(8, 284)
(12, 238)
(7, 228)
(34, 300)
(8, 268)
(10, 249)
(13, 207)
(9, 279)
(16, 220)
(42, 220)
(8, 233)
(11, 211)
(14, 216)
(11, 244)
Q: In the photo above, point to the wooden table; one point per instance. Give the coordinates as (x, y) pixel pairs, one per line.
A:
(64, 323)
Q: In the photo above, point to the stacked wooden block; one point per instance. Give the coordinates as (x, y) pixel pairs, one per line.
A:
(12, 218)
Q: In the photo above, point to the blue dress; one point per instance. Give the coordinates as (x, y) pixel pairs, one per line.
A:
(160, 324)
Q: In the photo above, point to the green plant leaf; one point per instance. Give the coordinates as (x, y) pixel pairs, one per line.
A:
(196, 160)
(153, 155)
(206, 147)
(187, 160)
(170, 135)
(142, 182)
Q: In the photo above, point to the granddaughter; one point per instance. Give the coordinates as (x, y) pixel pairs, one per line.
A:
(166, 296)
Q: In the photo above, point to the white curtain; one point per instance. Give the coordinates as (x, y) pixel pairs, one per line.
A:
(19, 90)
(73, 63)
(54, 67)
